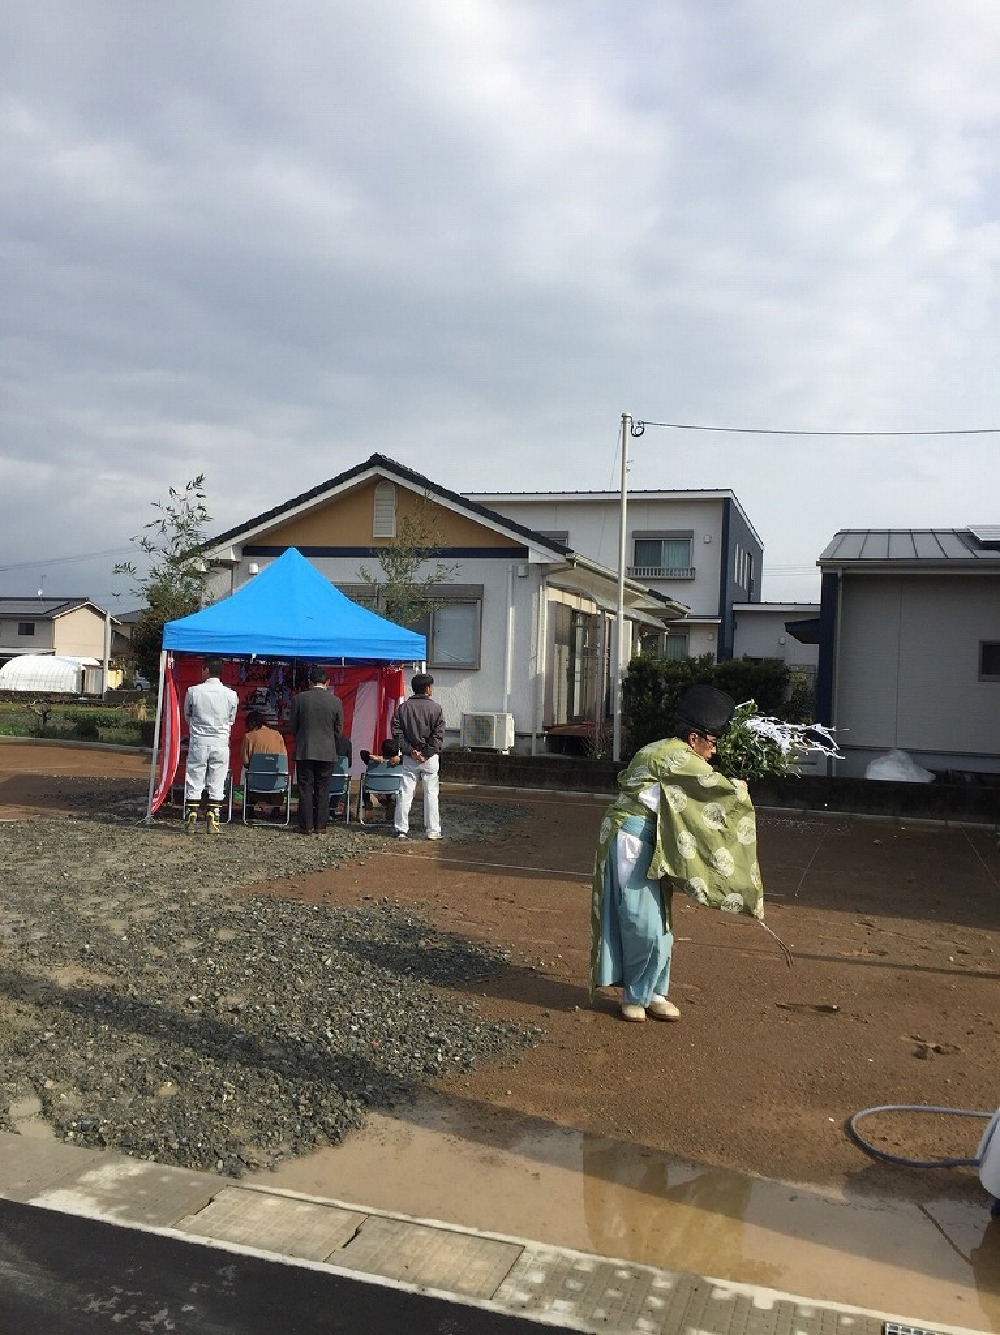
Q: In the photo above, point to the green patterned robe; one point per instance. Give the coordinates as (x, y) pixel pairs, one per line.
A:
(706, 834)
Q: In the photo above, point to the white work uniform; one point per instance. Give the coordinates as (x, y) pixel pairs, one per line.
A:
(210, 709)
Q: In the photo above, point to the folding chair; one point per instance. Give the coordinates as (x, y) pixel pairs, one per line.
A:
(378, 778)
(340, 787)
(267, 776)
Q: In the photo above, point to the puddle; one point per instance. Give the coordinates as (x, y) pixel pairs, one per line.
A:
(936, 1261)
(26, 1115)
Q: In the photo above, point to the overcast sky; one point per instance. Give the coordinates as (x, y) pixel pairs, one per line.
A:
(263, 241)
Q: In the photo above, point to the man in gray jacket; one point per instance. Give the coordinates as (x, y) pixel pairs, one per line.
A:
(418, 728)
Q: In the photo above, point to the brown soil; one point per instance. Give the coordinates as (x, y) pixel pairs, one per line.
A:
(892, 997)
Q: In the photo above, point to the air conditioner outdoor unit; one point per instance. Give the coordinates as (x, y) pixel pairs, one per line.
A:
(493, 732)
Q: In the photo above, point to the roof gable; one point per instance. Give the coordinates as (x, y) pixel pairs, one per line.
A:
(378, 467)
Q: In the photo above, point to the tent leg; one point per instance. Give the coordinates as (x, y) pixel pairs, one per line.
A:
(148, 819)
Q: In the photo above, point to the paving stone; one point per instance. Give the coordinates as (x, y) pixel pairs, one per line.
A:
(436, 1258)
(275, 1223)
(609, 1295)
(28, 1166)
(604, 1295)
(131, 1191)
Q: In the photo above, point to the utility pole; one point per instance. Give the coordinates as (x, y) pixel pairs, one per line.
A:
(619, 656)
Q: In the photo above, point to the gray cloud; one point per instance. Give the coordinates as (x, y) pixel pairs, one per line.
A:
(265, 242)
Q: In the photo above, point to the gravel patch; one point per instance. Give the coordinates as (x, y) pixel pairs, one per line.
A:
(147, 1009)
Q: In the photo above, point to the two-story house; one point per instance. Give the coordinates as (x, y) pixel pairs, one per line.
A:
(67, 627)
(696, 546)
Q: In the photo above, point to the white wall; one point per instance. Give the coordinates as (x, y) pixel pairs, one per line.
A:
(761, 633)
(593, 531)
(907, 669)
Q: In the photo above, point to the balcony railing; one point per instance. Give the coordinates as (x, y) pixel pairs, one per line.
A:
(661, 572)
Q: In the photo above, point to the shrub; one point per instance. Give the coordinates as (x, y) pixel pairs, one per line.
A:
(652, 687)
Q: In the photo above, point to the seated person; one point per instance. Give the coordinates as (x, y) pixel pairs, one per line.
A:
(261, 738)
(381, 764)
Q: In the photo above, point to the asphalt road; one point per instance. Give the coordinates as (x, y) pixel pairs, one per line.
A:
(64, 1274)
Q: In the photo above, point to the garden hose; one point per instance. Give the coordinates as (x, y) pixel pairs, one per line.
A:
(886, 1157)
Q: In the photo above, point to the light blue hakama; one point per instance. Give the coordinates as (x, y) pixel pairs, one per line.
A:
(636, 941)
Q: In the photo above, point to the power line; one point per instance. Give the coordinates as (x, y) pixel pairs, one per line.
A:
(639, 425)
(64, 560)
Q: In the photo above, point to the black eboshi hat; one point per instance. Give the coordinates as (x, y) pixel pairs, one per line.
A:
(706, 709)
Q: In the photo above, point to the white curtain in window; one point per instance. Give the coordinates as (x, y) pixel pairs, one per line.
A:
(676, 553)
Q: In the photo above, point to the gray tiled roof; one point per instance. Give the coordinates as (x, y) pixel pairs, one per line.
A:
(39, 609)
(913, 546)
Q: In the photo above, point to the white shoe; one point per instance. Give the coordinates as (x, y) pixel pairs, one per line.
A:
(436, 836)
(662, 1009)
(635, 1013)
(401, 835)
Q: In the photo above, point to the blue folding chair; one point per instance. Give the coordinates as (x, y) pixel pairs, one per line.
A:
(267, 777)
(340, 787)
(380, 779)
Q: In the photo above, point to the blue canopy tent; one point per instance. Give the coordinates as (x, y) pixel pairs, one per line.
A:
(288, 611)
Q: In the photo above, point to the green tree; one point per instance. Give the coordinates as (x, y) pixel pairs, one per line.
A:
(176, 575)
(411, 567)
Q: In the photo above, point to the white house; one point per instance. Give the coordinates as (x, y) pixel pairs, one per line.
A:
(789, 631)
(521, 634)
(910, 646)
(696, 546)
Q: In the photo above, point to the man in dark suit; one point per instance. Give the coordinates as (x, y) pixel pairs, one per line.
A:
(318, 723)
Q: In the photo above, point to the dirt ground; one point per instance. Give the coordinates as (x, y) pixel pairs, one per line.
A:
(892, 997)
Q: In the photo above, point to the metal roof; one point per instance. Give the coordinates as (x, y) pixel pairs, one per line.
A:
(42, 609)
(914, 547)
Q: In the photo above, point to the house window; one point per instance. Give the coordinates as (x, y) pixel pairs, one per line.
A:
(671, 645)
(662, 556)
(677, 646)
(452, 630)
(453, 635)
(743, 568)
(25, 628)
(989, 660)
(384, 518)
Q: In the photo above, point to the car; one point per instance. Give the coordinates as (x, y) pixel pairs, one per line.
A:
(141, 683)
